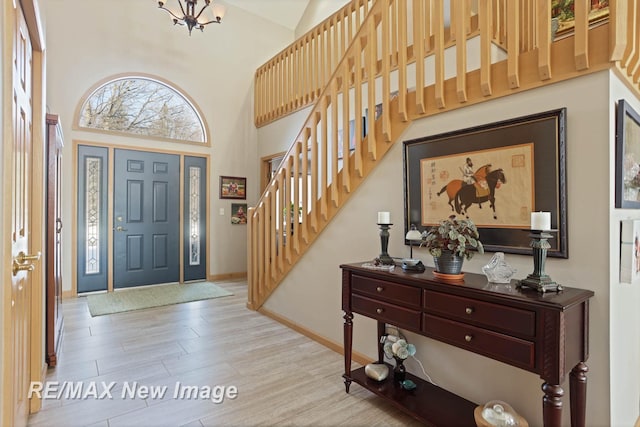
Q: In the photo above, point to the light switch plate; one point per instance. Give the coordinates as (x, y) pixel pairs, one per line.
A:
(221, 211)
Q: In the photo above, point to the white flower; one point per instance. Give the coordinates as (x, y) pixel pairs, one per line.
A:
(398, 345)
(402, 353)
(400, 349)
(387, 348)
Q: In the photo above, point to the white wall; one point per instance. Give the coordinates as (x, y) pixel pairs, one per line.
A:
(91, 41)
(625, 316)
(279, 135)
(316, 12)
(310, 295)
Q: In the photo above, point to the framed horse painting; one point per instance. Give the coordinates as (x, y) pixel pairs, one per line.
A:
(496, 175)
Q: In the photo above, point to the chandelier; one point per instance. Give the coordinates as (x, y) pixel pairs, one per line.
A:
(188, 16)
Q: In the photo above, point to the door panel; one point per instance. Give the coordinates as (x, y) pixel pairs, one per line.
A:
(135, 244)
(134, 200)
(146, 218)
(160, 251)
(160, 200)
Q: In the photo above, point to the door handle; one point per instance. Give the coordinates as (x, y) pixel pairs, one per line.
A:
(59, 225)
(120, 228)
(22, 257)
(21, 267)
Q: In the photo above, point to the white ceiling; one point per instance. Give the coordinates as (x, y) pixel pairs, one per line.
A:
(284, 12)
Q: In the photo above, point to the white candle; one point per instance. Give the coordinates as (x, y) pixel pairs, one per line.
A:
(384, 218)
(541, 220)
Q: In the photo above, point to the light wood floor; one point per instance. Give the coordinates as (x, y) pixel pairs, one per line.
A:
(282, 377)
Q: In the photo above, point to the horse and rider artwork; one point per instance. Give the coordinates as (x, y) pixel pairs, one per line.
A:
(492, 187)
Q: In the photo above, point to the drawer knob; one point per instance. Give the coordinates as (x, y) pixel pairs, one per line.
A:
(468, 338)
(468, 310)
(379, 289)
(379, 310)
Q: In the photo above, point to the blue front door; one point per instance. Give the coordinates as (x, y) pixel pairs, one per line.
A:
(146, 218)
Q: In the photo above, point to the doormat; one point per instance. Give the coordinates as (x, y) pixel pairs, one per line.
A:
(152, 296)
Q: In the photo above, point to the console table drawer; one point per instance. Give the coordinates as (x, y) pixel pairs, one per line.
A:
(405, 295)
(389, 313)
(508, 319)
(512, 350)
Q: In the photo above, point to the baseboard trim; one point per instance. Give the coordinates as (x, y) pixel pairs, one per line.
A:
(356, 357)
(69, 294)
(227, 276)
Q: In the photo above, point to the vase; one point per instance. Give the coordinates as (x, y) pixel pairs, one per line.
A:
(448, 263)
(399, 371)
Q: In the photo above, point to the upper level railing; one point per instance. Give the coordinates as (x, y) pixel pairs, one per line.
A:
(294, 78)
(367, 102)
(624, 40)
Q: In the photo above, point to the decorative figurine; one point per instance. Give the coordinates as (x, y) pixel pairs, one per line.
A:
(498, 270)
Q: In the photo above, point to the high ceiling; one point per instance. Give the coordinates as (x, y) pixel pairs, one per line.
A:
(284, 12)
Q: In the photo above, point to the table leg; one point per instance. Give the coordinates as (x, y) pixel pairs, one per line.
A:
(578, 397)
(348, 336)
(552, 405)
(382, 329)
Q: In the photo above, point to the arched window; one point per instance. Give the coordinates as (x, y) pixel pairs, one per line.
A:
(142, 106)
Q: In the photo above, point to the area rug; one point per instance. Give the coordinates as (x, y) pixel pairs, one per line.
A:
(152, 296)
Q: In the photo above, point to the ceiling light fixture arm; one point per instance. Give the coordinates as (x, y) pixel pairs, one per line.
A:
(176, 18)
(206, 3)
(215, 21)
(189, 17)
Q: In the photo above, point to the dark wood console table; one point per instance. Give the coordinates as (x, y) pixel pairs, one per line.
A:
(547, 334)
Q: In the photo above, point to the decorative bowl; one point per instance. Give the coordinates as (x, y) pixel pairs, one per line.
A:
(376, 371)
(410, 261)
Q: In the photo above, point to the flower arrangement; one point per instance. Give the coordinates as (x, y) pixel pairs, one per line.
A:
(399, 349)
(459, 236)
(631, 172)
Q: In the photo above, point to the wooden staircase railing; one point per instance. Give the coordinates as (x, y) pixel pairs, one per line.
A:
(324, 164)
(295, 77)
(327, 162)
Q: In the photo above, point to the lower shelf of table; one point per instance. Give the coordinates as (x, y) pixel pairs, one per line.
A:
(428, 403)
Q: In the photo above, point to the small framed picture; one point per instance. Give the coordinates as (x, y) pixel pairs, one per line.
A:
(238, 213)
(233, 187)
(630, 251)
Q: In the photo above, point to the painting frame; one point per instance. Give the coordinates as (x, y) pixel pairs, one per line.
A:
(545, 132)
(233, 187)
(239, 213)
(563, 19)
(627, 156)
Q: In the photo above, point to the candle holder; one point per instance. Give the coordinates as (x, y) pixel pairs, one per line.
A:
(539, 280)
(384, 257)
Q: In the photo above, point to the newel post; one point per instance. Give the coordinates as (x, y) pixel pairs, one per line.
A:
(250, 261)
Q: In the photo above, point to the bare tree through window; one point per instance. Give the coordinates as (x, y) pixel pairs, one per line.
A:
(143, 107)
